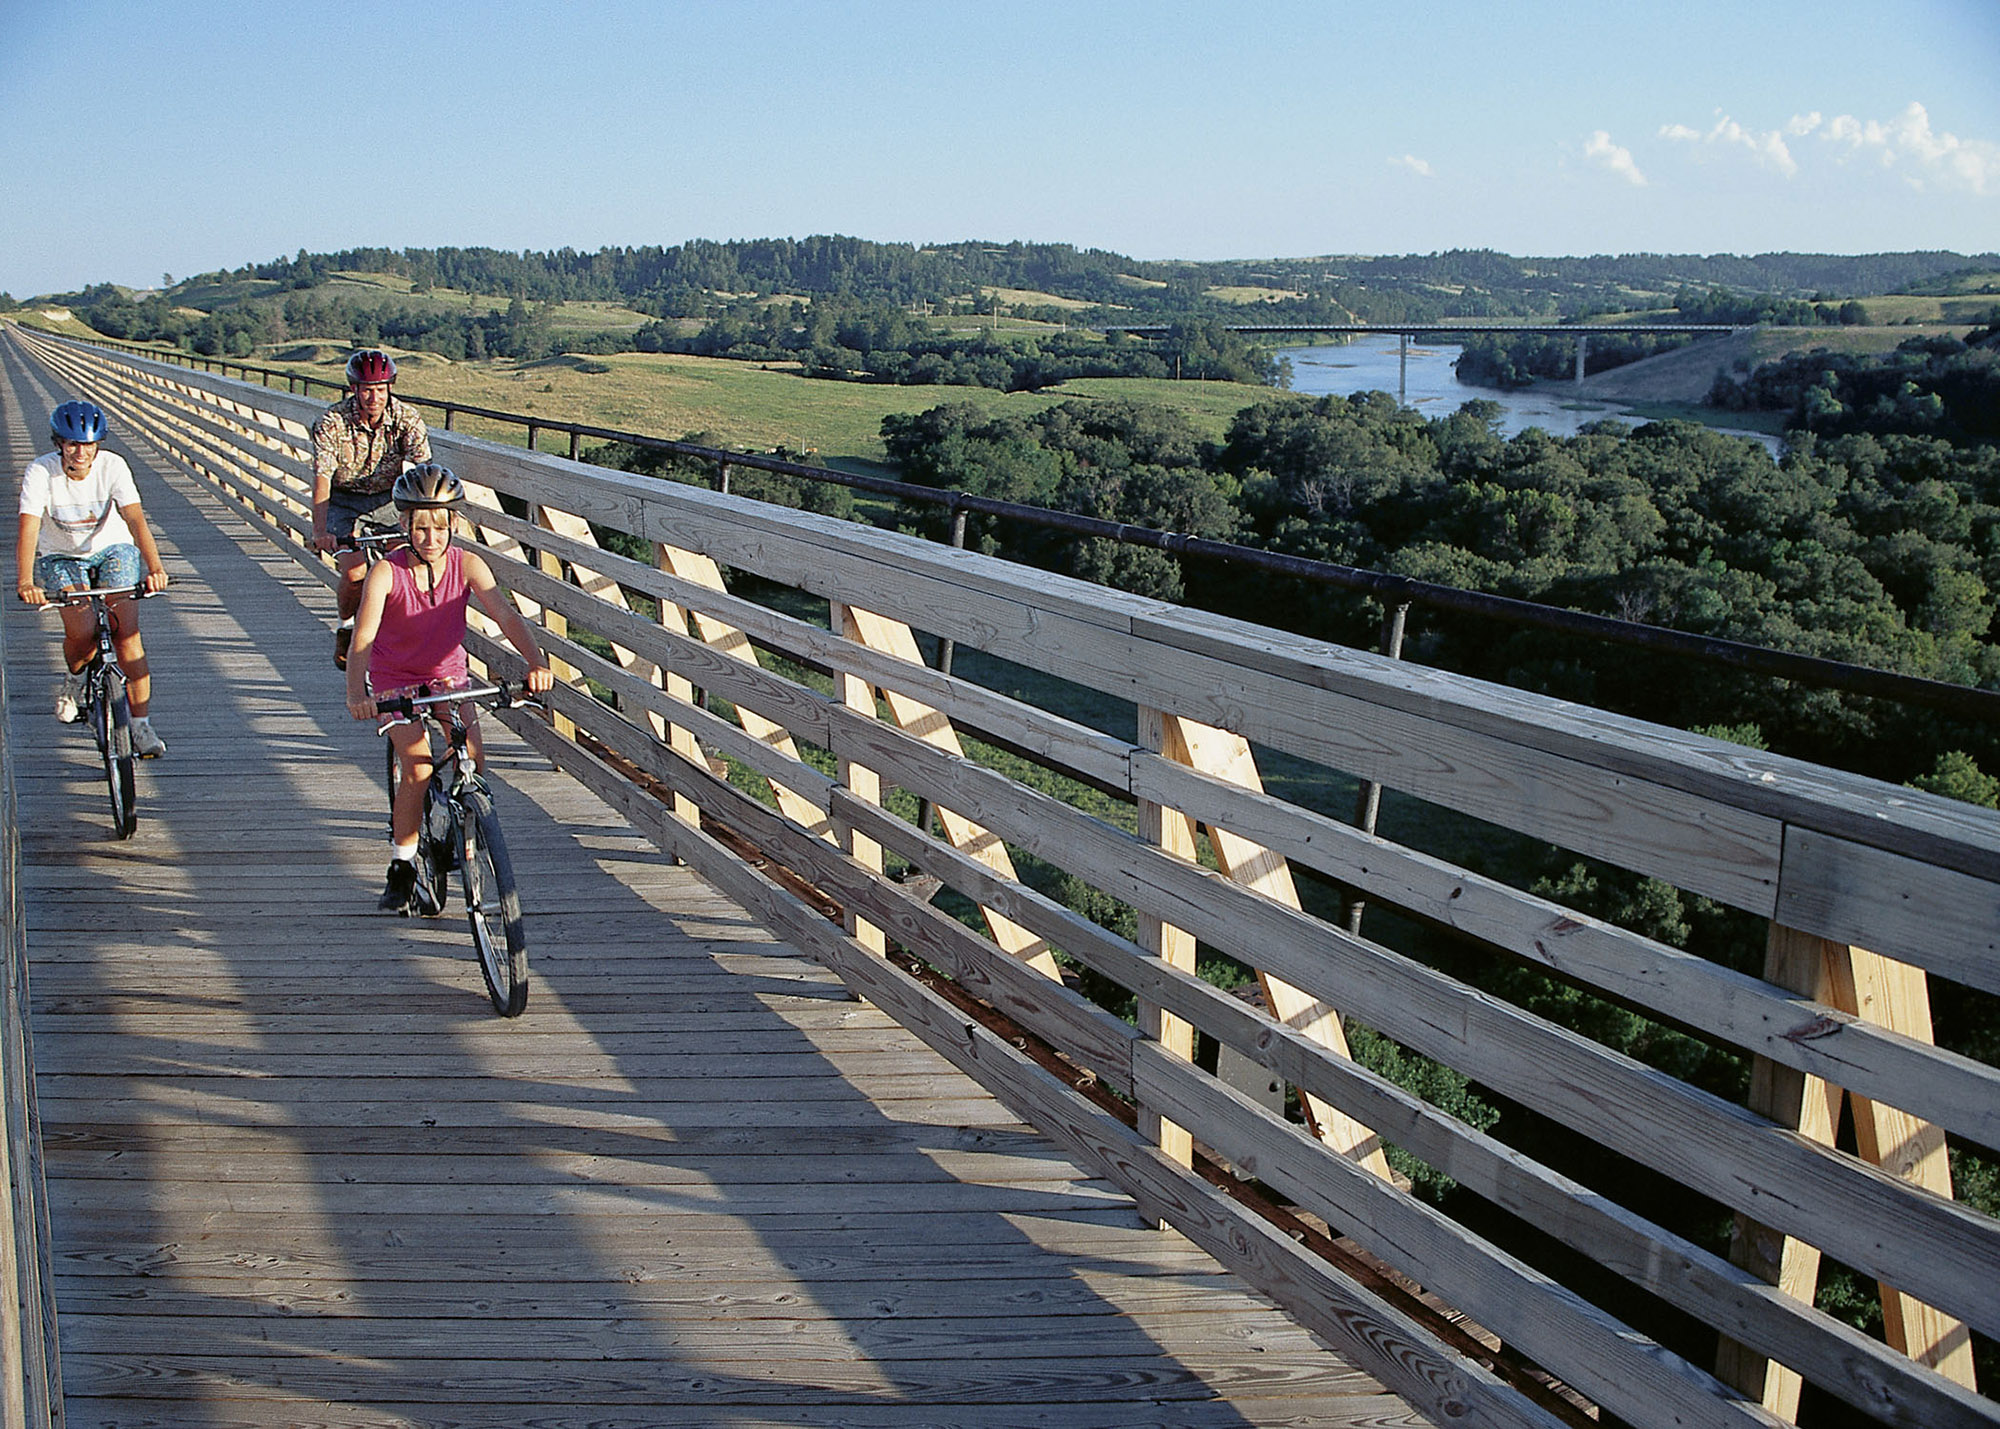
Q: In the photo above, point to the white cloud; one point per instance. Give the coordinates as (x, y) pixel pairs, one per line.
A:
(1769, 146)
(1906, 144)
(1614, 157)
(1420, 167)
(1923, 153)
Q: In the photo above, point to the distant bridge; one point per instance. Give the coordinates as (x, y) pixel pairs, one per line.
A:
(1406, 331)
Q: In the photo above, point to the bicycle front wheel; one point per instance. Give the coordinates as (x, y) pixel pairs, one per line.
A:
(391, 775)
(111, 725)
(493, 905)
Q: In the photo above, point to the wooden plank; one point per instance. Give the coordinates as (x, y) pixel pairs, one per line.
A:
(1935, 918)
(1647, 1115)
(1559, 1329)
(1894, 818)
(1954, 1091)
(1857, 1369)
(1381, 1338)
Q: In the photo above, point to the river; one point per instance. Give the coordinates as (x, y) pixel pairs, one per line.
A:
(1368, 363)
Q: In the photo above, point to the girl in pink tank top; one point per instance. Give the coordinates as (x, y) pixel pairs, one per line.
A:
(410, 631)
(421, 637)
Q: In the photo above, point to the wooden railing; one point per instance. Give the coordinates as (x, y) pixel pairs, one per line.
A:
(30, 1372)
(815, 691)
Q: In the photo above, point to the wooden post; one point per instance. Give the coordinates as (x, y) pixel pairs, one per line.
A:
(864, 783)
(1897, 995)
(693, 566)
(1368, 798)
(1892, 995)
(554, 621)
(1173, 832)
(1228, 756)
(679, 687)
(892, 637)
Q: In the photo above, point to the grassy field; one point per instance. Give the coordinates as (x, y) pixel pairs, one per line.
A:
(1030, 298)
(1913, 308)
(742, 404)
(1685, 374)
(1243, 296)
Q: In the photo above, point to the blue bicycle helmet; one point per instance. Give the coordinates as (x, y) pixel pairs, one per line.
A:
(78, 422)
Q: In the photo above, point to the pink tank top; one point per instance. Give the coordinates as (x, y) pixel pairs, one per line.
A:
(421, 640)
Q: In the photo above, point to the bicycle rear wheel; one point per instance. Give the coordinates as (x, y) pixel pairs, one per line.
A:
(111, 726)
(493, 905)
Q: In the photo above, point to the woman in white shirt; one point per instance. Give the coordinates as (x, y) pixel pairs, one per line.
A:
(82, 526)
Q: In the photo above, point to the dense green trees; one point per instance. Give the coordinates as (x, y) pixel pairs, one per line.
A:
(861, 342)
(1882, 551)
(1116, 461)
(1938, 386)
(1519, 360)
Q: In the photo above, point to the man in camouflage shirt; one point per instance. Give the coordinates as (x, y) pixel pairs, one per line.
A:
(361, 444)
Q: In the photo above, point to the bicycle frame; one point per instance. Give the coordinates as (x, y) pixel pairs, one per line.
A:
(459, 828)
(101, 700)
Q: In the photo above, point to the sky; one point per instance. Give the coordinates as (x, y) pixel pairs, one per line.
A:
(140, 139)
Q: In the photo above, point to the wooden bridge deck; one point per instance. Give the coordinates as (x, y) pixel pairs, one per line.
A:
(300, 1175)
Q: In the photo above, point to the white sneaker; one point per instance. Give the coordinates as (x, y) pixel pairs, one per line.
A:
(66, 708)
(145, 743)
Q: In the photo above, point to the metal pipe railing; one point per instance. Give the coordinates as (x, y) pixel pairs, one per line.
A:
(1968, 702)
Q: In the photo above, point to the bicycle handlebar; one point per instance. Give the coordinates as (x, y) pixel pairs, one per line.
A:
(506, 695)
(384, 536)
(54, 599)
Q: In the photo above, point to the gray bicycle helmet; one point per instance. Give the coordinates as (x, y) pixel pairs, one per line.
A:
(426, 486)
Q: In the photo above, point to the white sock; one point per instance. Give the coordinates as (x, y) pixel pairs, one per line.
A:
(406, 852)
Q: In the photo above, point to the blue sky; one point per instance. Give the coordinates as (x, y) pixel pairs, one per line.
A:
(149, 138)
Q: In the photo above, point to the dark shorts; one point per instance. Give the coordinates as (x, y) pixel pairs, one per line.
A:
(344, 508)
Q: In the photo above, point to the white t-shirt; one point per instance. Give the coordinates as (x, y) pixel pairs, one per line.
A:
(74, 513)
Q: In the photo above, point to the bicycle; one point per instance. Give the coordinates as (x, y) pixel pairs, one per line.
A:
(460, 829)
(373, 540)
(103, 704)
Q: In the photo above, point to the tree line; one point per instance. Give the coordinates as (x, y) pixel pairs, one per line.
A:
(708, 282)
(1937, 386)
(1880, 549)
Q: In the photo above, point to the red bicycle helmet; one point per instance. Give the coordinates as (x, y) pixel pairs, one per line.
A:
(372, 365)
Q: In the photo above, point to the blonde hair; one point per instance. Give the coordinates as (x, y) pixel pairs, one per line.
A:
(451, 525)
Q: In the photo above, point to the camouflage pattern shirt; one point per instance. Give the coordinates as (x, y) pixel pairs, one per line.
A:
(353, 459)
